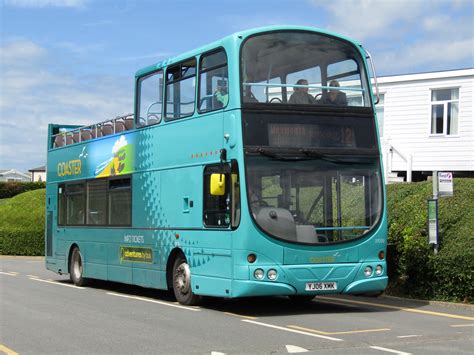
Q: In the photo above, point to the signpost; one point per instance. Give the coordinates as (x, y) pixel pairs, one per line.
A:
(433, 221)
(442, 187)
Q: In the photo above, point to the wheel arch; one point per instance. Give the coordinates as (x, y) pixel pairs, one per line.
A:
(71, 248)
(169, 266)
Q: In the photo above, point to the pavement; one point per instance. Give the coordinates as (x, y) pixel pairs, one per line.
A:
(43, 313)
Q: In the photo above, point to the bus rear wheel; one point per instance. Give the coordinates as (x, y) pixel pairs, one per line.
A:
(76, 268)
(182, 283)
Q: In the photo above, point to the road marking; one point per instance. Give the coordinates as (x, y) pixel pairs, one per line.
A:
(217, 353)
(408, 336)
(389, 350)
(8, 273)
(461, 325)
(293, 349)
(195, 309)
(337, 333)
(239, 315)
(291, 330)
(56, 283)
(382, 305)
(33, 276)
(6, 350)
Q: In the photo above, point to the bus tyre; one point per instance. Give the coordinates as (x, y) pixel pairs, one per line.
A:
(76, 268)
(182, 283)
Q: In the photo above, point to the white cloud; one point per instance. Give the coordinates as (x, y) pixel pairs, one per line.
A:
(32, 96)
(362, 19)
(407, 35)
(427, 54)
(19, 52)
(46, 3)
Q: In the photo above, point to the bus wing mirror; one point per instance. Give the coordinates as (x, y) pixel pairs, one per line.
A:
(217, 187)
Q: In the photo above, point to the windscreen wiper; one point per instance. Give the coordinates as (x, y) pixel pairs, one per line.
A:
(336, 158)
(276, 156)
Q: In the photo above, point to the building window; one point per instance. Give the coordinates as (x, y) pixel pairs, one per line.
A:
(379, 109)
(445, 111)
(150, 91)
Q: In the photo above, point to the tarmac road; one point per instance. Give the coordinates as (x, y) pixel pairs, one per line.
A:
(43, 313)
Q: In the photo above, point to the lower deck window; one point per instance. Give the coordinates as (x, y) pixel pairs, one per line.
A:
(120, 202)
(99, 202)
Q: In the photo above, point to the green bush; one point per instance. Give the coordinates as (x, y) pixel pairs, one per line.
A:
(22, 224)
(10, 189)
(420, 272)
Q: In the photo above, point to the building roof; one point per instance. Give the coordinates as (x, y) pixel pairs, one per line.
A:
(14, 172)
(424, 76)
(40, 169)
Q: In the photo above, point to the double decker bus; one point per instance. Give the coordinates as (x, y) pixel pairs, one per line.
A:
(250, 167)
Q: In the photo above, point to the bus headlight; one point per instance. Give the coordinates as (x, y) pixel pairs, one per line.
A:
(258, 274)
(368, 271)
(272, 274)
(378, 270)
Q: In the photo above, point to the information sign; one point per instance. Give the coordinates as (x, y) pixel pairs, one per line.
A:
(433, 221)
(445, 184)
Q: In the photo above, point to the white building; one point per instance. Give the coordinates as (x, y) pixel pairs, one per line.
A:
(13, 175)
(426, 123)
(38, 174)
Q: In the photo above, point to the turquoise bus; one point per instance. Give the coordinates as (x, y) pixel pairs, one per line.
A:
(250, 167)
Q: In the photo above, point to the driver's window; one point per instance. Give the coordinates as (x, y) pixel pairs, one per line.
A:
(150, 96)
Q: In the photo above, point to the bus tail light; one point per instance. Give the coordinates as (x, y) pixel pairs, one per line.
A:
(378, 270)
(368, 271)
(251, 258)
(381, 255)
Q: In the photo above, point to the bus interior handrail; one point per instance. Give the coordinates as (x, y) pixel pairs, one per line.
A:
(348, 88)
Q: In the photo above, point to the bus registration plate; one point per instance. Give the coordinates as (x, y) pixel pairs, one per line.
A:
(321, 286)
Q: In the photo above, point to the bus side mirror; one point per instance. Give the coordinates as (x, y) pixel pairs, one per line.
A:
(217, 187)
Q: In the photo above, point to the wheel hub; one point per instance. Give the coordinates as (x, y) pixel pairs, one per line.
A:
(183, 278)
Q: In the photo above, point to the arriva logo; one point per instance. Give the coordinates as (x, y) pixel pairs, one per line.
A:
(72, 167)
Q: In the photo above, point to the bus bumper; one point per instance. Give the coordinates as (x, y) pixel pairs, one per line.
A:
(245, 288)
(367, 286)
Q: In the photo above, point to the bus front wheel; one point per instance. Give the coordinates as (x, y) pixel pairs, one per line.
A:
(76, 268)
(182, 283)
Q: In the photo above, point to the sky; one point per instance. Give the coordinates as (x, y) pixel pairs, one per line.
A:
(73, 61)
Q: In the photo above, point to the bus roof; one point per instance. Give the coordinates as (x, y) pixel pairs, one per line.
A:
(232, 39)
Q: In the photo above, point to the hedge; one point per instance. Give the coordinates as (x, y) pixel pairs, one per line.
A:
(449, 274)
(10, 189)
(22, 224)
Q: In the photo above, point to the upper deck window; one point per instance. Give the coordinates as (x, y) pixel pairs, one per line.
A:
(298, 67)
(180, 89)
(150, 97)
(213, 82)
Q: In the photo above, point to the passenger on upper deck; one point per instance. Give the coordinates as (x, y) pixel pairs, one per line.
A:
(334, 97)
(300, 94)
(221, 96)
